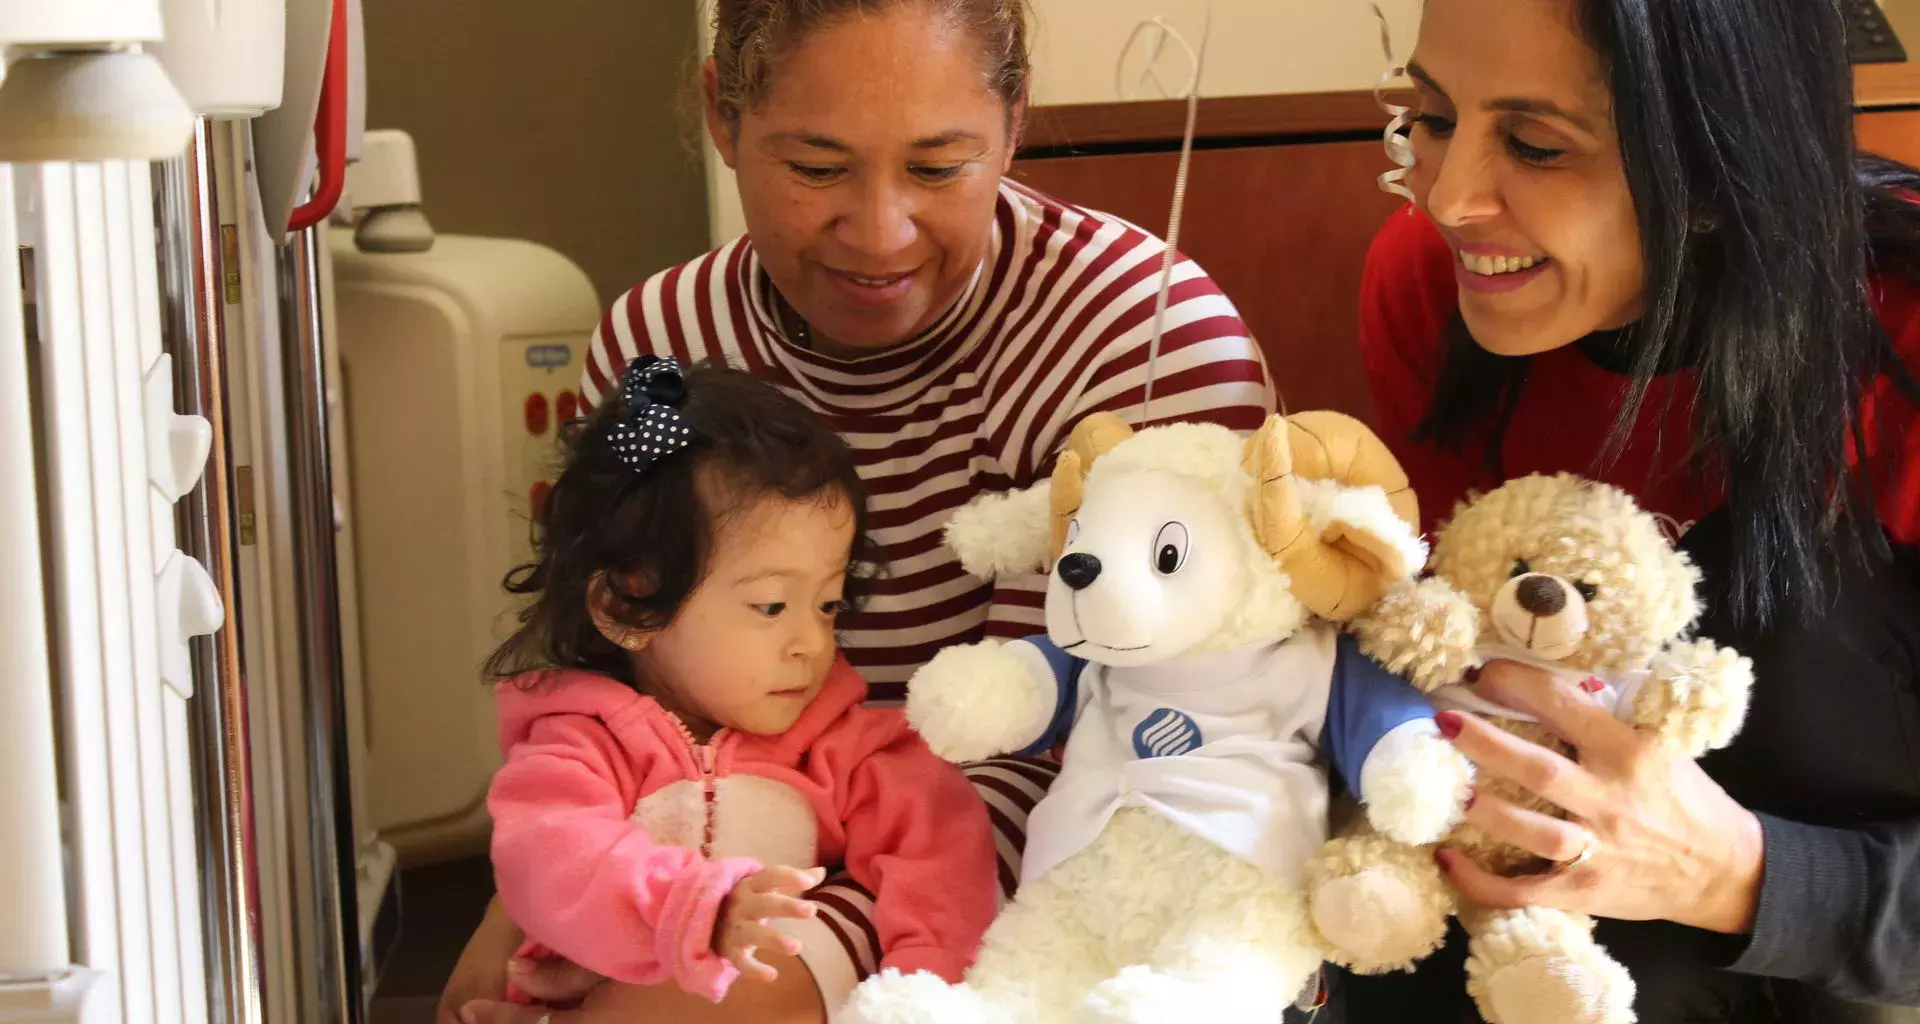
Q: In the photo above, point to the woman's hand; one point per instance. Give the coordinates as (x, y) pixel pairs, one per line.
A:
(486, 965)
(793, 998)
(481, 972)
(1666, 842)
(742, 928)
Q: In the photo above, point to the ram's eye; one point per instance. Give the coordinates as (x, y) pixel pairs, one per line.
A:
(1170, 549)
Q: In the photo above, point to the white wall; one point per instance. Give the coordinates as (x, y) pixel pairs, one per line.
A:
(1256, 47)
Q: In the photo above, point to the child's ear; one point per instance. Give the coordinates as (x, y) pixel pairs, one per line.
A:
(600, 606)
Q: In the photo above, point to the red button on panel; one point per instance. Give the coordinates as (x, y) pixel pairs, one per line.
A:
(566, 407)
(536, 414)
(537, 500)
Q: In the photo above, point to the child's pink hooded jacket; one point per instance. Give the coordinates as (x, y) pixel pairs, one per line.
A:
(616, 837)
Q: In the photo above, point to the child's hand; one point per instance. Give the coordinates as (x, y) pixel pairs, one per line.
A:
(742, 928)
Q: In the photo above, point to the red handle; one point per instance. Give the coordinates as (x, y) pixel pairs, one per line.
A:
(329, 129)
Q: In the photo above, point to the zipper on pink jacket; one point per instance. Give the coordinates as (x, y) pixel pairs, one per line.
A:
(706, 756)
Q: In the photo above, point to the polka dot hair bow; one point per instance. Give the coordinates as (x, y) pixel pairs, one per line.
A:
(652, 389)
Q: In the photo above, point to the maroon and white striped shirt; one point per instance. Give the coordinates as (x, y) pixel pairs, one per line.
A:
(1055, 325)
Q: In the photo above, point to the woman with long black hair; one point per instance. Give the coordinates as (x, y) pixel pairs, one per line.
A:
(1645, 249)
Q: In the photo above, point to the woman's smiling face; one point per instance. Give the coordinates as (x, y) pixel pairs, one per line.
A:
(1519, 164)
(868, 174)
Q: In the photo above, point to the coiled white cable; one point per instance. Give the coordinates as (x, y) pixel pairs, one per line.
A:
(1158, 33)
(1399, 147)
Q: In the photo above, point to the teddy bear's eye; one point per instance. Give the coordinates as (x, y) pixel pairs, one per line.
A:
(1587, 591)
(1520, 567)
(1170, 549)
(1073, 530)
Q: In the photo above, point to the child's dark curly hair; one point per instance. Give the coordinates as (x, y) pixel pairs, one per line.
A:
(604, 517)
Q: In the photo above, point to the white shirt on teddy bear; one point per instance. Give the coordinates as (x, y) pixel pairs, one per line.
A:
(1616, 693)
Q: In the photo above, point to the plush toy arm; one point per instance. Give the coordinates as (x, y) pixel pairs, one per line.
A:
(1415, 785)
(1381, 734)
(1004, 534)
(1424, 630)
(1696, 697)
(979, 700)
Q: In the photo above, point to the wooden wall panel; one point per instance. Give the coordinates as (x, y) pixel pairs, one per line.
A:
(1283, 229)
(1890, 133)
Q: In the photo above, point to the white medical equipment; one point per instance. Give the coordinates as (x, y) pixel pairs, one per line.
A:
(461, 357)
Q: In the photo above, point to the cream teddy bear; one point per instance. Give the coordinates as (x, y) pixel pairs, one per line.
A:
(1191, 660)
(1571, 576)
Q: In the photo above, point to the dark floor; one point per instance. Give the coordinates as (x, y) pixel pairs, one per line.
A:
(441, 905)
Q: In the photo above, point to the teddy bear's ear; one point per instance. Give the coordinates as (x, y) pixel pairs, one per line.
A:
(1342, 562)
(1093, 437)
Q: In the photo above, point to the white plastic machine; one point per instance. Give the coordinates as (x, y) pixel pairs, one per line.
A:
(460, 358)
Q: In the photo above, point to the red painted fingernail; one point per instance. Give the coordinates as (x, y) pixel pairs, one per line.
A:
(1449, 723)
(1593, 685)
(1472, 795)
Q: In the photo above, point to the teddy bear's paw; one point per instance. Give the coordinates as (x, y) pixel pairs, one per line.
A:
(1696, 698)
(1559, 990)
(1426, 631)
(891, 997)
(1375, 921)
(1541, 966)
(975, 701)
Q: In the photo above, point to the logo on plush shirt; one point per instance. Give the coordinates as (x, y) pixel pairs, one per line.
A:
(1166, 733)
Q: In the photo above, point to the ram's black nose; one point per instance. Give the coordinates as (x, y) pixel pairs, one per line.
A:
(1079, 570)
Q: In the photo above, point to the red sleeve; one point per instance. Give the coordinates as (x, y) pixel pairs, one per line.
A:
(1407, 296)
(919, 839)
(1893, 419)
(585, 881)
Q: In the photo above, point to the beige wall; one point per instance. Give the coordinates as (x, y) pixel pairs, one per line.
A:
(1255, 48)
(555, 122)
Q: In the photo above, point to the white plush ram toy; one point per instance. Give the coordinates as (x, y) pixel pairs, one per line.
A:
(1193, 663)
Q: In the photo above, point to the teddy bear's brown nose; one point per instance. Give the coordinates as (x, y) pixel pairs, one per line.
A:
(1541, 596)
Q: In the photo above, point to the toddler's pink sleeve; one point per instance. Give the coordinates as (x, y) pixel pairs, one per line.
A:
(584, 880)
(919, 839)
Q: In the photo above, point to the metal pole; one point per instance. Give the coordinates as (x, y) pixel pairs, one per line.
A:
(329, 784)
(196, 334)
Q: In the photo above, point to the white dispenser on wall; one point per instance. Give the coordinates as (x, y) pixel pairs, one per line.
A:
(461, 357)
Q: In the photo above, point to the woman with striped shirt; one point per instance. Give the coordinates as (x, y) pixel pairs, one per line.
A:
(952, 324)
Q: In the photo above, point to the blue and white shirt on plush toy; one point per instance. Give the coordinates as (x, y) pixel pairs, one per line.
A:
(1232, 747)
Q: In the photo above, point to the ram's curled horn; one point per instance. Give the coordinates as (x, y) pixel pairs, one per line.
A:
(1093, 437)
(1337, 569)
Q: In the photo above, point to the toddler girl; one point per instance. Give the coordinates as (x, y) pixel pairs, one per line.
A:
(685, 749)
